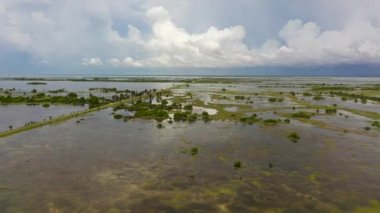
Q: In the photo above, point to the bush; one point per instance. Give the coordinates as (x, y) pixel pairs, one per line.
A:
(251, 119)
(272, 99)
(160, 126)
(239, 97)
(237, 164)
(117, 116)
(376, 124)
(180, 116)
(205, 116)
(192, 117)
(294, 137)
(156, 114)
(318, 98)
(330, 111)
(194, 151)
(302, 114)
(269, 122)
(188, 107)
(46, 105)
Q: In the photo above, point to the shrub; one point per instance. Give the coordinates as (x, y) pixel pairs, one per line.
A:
(302, 114)
(117, 116)
(194, 151)
(239, 97)
(205, 116)
(294, 137)
(156, 114)
(160, 126)
(46, 105)
(237, 164)
(330, 111)
(180, 116)
(188, 107)
(318, 98)
(272, 99)
(269, 122)
(375, 124)
(251, 119)
(192, 117)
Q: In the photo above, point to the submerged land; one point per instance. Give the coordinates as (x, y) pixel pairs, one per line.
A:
(189, 144)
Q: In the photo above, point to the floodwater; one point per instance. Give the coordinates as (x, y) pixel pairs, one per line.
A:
(102, 164)
(80, 86)
(19, 115)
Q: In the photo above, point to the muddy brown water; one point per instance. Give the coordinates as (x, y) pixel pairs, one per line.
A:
(102, 164)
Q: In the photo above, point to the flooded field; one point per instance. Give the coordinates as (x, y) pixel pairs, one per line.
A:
(19, 115)
(207, 145)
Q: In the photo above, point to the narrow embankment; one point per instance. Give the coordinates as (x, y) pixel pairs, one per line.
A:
(58, 119)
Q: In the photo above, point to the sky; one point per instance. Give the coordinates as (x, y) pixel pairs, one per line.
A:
(263, 37)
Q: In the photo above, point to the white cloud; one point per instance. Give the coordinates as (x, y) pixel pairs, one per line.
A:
(92, 62)
(126, 62)
(67, 33)
(302, 44)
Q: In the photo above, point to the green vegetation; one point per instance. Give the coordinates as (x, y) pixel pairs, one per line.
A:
(205, 116)
(250, 119)
(330, 110)
(318, 98)
(272, 99)
(374, 207)
(42, 98)
(294, 137)
(37, 83)
(237, 164)
(239, 97)
(57, 91)
(362, 97)
(117, 116)
(46, 105)
(184, 116)
(332, 88)
(194, 151)
(302, 114)
(271, 122)
(156, 114)
(188, 107)
(375, 124)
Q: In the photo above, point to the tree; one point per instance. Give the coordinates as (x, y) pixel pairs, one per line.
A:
(10, 127)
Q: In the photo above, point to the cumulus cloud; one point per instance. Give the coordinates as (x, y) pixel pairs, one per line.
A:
(92, 62)
(141, 34)
(299, 44)
(126, 62)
